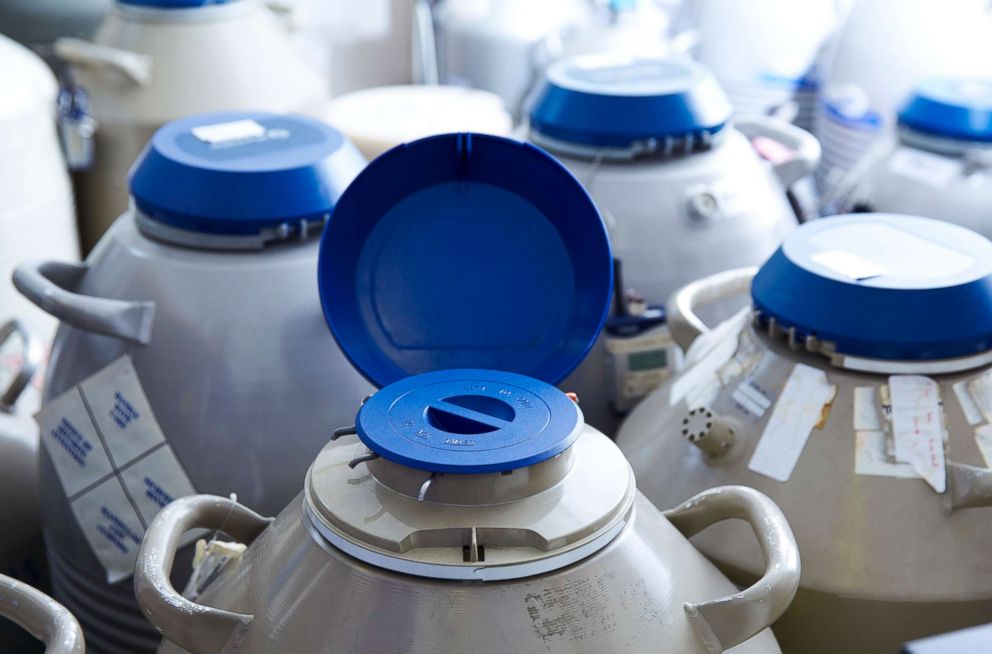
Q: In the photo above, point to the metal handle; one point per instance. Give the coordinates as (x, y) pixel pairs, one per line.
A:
(683, 322)
(32, 355)
(194, 627)
(41, 616)
(728, 621)
(47, 284)
(804, 148)
(133, 65)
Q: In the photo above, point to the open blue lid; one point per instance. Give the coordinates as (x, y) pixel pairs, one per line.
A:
(615, 101)
(175, 4)
(465, 251)
(882, 286)
(241, 174)
(469, 421)
(957, 109)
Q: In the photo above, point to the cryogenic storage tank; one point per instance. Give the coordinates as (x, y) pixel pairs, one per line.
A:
(882, 50)
(856, 394)
(480, 491)
(683, 190)
(938, 165)
(152, 61)
(196, 306)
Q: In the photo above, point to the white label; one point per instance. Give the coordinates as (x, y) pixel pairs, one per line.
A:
(752, 399)
(980, 390)
(116, 468)
(866, 416)
(870, 457)
(236, 130)
(849, 264)
(928, 168)
(983, 438)
(705, 357)
(798, 410)
(917, 427)
(968, 406)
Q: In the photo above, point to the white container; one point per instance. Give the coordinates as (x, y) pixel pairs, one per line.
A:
(40, 616)
(765, 53)
(36, 214)
(855, 394)
(502, 46)
(938, 164)
(636, 28)
(682, 190)
(883, 49)
(476, 509)
(211, 293)
(152, 61)
(378, 119)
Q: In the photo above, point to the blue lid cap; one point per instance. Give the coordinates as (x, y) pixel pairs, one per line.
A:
(615, 101)
(469, 421)
(465, 251)
(957, 109)
(882, 286)
(174, 4)
(239, 173)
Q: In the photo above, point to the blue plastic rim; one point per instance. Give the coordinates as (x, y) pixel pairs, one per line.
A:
(175, 4)
(465, 251)
(615, 101)
(469, 421)
(882, 286)
(237, 173)
(952, 108)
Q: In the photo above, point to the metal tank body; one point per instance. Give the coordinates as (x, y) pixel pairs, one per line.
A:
(868, 72)
(887, 556)
(215, 329)
(152, 62)
(937, 164)
(411, 586)
(36, 212)
(680, 200)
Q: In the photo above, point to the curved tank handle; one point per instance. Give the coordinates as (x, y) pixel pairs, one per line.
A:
(803, 146)
(134, 66)
(683, 322)
(41, 616)
(728, 621)
(46, 284)
(194, 627)
(32, 355)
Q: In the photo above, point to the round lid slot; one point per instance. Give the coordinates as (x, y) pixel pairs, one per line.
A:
(958, 109)
(469, 421)
(619, 102)
(465, 251)
(246, 178)
(881, 286)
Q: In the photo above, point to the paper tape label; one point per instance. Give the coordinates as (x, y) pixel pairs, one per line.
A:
(980, 390)
(870, 457)
(968, 406)
(866, 417)
(798, 410)
(983, 438)
(931, 169)
(918, 427)
(116, 468)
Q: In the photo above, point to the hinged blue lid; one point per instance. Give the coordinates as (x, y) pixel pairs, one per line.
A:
(958, 109)
(882, 286)
(242, 174)
(616, 101)
(469, 421)
(465, 251)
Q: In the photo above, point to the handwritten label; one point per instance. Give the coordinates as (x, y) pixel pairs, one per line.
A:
(798, 410)
(918, 427)
(113, 461)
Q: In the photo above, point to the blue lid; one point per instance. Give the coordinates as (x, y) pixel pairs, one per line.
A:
(469, 421)
(610, 100)
(174, 4)
(882, 286)
(239, 173)
(465, 251)
(957, 109)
